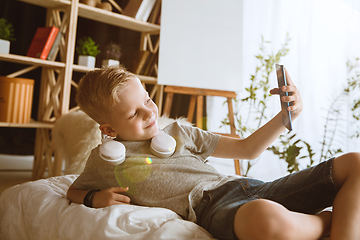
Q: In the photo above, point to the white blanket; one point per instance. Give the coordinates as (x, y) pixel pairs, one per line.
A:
(39, 210)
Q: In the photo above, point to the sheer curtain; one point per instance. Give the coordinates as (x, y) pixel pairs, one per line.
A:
(324, 34)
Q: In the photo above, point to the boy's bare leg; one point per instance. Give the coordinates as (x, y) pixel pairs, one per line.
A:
(346, 208)
(267, 220)
(263, 219)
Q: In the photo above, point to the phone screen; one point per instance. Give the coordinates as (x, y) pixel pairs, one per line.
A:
(281, 78)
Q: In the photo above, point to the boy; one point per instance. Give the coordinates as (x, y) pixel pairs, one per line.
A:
(229, 207)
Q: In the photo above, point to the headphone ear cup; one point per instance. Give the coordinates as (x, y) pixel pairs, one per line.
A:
(162, 145)
(112, 151)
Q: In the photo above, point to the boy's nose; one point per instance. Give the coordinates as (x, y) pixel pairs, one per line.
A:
(147, 114)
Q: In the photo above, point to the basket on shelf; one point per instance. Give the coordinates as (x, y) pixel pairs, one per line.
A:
(16, 99)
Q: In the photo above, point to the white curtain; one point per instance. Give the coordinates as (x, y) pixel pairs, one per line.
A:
(324, 34)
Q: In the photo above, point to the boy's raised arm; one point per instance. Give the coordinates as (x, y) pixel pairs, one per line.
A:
(104, 198)
(252, 146)
(257, 142)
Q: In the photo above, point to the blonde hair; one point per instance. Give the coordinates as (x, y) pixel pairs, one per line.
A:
(98, 91)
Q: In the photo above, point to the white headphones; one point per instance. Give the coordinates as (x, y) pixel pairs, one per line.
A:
(162, 145)
(112, 151)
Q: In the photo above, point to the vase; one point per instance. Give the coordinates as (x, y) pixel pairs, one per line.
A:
(110, 62)
(4, 46)
(90, 2)
(87, 61)
(104, 5)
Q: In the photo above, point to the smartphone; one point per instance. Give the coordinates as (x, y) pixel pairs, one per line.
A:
(281, 78)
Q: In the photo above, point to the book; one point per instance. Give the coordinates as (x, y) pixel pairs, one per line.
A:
(42, 42)
(55, 47)
(145, 9)
(155, 14)
(132, 8)
(115, 5)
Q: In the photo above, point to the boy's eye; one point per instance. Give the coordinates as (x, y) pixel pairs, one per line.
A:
(147, 101)
(135, 113)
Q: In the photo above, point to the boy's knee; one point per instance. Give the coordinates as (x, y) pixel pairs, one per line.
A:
(263, 219)
(345, 166)
(352, 162)
(356, 157)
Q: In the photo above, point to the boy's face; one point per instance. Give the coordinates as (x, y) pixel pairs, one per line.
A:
(135, 115)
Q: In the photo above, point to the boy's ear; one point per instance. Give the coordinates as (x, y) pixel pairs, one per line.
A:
(108, 130)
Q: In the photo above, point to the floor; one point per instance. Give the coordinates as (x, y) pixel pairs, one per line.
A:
(14, 170)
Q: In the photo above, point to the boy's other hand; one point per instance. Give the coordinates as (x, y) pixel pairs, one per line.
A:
(294, 98)
(109, 197)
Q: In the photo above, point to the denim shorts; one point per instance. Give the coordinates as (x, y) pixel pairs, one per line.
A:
(307, 191)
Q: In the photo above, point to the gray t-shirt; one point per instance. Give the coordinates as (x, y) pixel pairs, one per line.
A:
(176, 182)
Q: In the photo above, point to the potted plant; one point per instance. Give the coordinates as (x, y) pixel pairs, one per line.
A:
(87, 50)
(97, 3)
(112, 54)
(6, 35)
(92, 3)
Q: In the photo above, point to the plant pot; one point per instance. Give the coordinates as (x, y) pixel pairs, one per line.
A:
(88, 61)
(104, 5)
(4, 46)
(92, 3)
(110, 62)
(16, 99)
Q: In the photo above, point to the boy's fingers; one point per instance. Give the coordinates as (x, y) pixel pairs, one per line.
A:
(275, 91)
(121, 199)
(119, 189)
(290, 99)
(288, 78)
(289, 88)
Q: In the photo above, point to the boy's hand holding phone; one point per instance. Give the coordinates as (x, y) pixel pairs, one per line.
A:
(293, 99)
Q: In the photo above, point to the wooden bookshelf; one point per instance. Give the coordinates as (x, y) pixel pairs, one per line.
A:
(32, 124)
(100, 15)
(49, 3)
(116, 19)
(56, 77)
(31, 61)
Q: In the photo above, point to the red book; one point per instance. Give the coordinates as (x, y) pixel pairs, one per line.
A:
(42, 42)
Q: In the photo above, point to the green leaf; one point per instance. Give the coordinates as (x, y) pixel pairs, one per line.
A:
(87, 46)
(6, 30)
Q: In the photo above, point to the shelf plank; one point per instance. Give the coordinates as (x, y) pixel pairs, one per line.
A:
(101, 15)
(144, 79)
(116, 19)
(32, 124)
(147, 79)
(48, 3)
(30, 61)
(83, 69)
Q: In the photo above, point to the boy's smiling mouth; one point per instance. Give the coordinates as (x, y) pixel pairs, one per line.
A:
(152, 122)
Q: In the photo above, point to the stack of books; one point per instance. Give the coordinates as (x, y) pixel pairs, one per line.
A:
(45, 43)
(144, 10)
